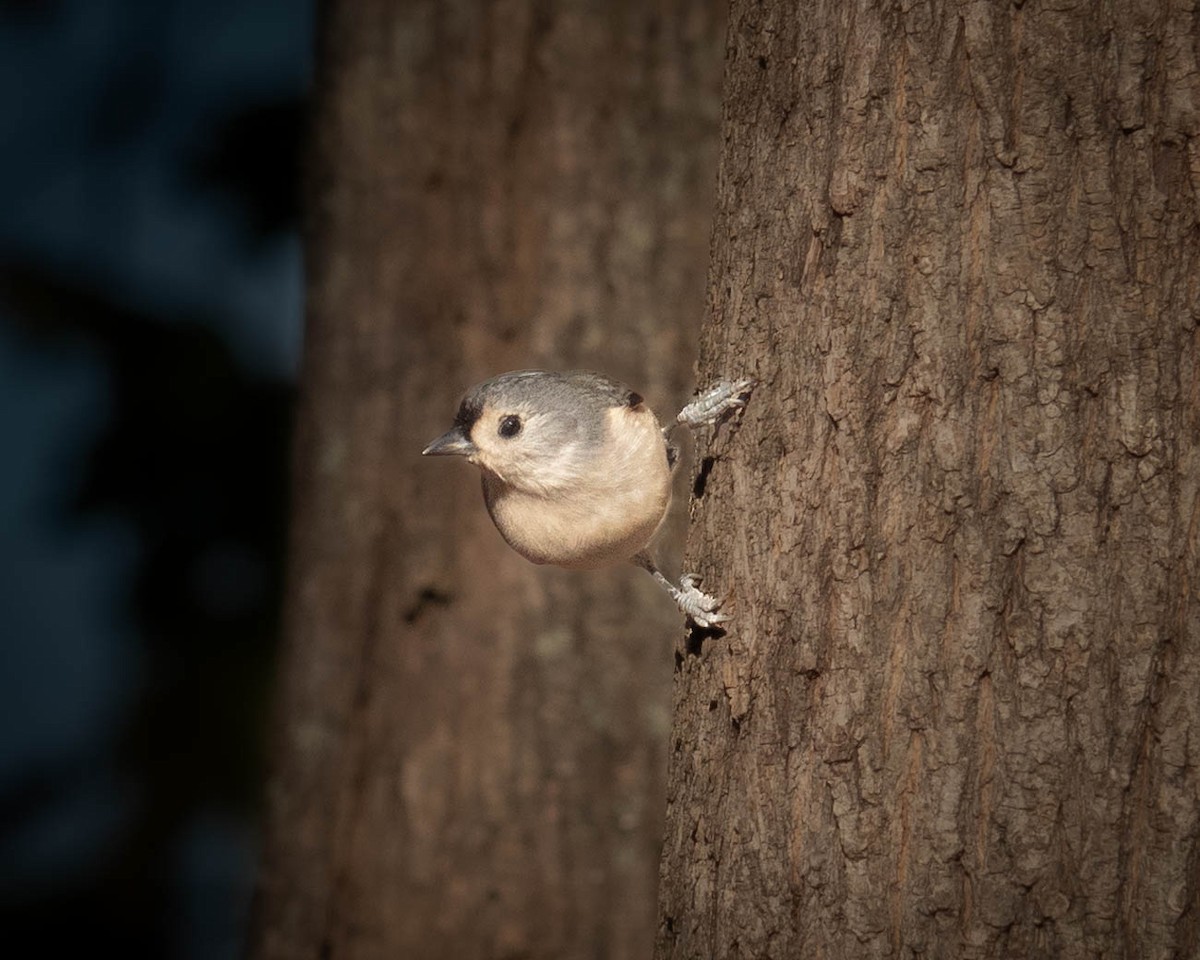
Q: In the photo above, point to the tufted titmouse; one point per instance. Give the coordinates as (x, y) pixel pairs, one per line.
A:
(576, 469)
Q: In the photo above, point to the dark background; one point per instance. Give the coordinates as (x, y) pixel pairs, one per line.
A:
(150, 325)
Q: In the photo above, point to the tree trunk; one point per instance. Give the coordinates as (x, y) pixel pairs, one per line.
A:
(958, 711)
(471, 752)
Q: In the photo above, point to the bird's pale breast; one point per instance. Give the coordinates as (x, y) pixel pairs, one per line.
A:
(606, 513)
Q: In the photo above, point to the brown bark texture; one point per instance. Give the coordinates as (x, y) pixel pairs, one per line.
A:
(471, 750)
(958, 711)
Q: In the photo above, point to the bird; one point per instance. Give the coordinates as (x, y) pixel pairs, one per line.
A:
(576, 469)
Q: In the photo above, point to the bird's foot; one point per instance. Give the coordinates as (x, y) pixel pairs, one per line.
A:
(698, 606)
(717, 404)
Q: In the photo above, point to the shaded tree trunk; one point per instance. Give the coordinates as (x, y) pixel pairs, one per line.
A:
(471, 751)
(958, 712)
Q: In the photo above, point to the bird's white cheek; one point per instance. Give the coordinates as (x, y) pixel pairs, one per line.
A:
(535, 472)
(561, 472)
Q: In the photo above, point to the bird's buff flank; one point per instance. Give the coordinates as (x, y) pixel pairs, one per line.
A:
(577, 470)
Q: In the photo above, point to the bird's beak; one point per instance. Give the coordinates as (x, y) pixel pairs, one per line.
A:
(452, 443)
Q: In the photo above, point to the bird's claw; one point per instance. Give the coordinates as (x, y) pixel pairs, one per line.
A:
(697, 605)
(717, 404)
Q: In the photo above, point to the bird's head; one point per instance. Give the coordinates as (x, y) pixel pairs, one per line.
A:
(533, 430)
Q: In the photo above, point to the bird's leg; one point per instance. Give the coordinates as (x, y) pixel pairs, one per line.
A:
(717, 404)
(714, 406)
(696, 605)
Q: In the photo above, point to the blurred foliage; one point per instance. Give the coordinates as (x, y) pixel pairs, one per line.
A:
(29, 10)
(194, 459)
(254, 158)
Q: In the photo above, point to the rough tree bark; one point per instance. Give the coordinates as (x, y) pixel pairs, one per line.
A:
(958, 712)
(472, 750)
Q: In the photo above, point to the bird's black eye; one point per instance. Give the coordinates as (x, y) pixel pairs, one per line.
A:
(510, 426)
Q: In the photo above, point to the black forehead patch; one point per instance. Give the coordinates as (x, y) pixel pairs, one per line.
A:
(469, 412)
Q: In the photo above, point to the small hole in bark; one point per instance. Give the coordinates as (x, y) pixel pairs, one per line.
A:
(694, 644)
(701, 483)
(762, 63)
(712, 705)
